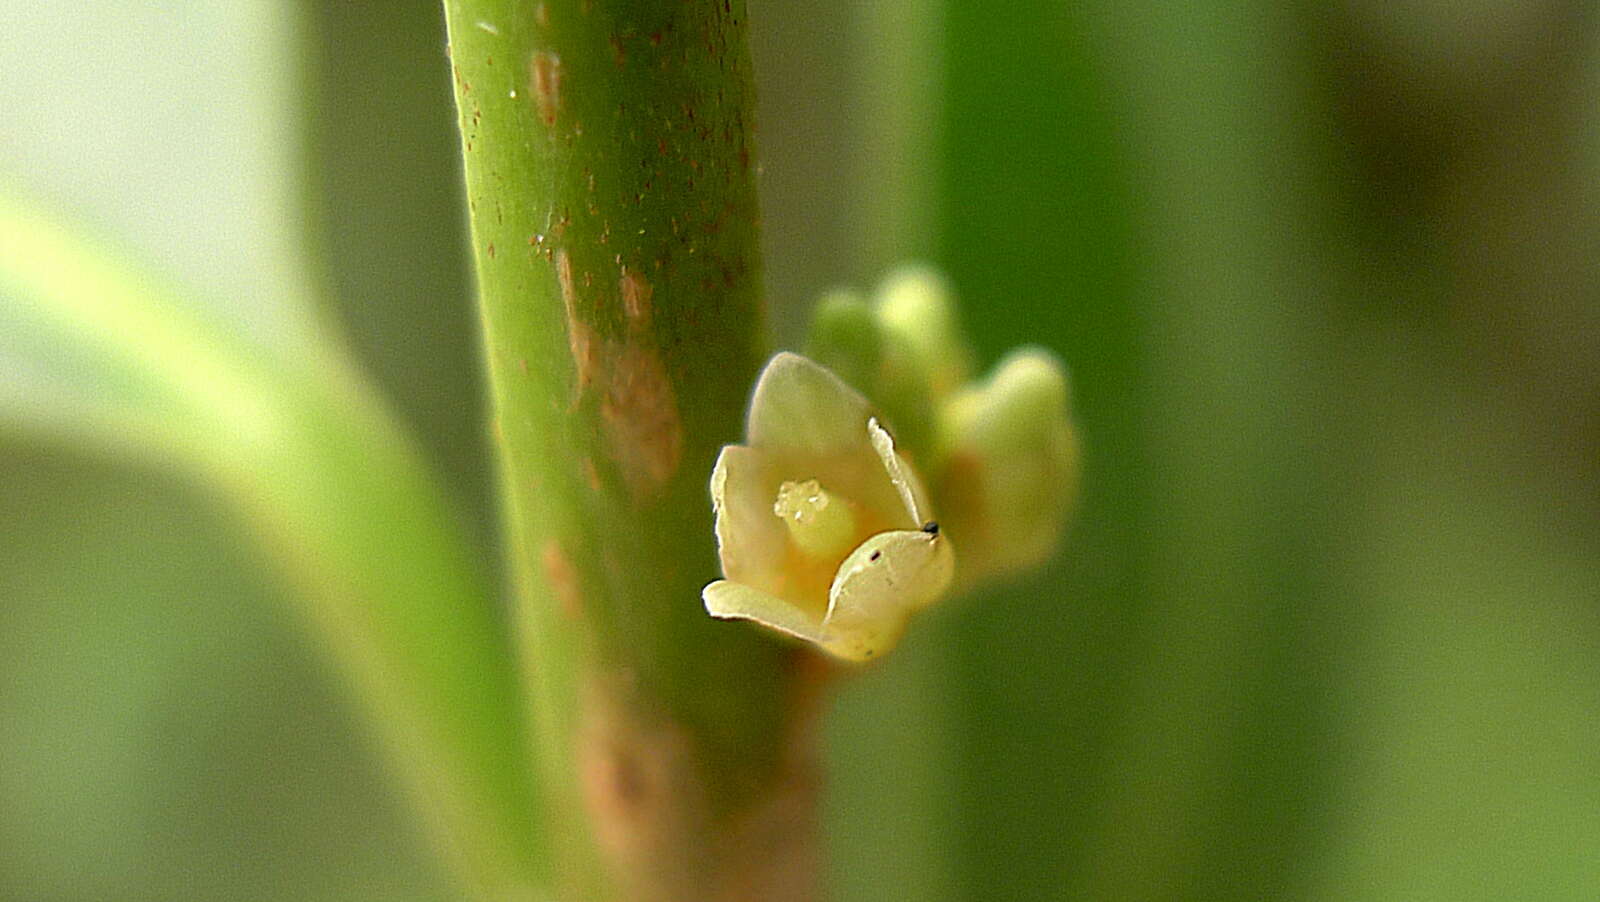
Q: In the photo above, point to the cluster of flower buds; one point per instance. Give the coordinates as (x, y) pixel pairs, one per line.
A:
(877, 474)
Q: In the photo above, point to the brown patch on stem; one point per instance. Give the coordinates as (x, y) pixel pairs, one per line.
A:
(562, 578)
(544, 80)
(648, 799)
(639, 415)
(636, 293)
(772, 844)
(580, 338)
(633, 778)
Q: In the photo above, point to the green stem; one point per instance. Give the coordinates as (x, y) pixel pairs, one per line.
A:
(610, 181)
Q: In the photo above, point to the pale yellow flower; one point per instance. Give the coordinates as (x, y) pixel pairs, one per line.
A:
(823, 530)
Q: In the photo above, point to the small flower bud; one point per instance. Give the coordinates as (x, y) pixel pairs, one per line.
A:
(915, 307)
(1010, 472)
(1002, 455)
(845, 337)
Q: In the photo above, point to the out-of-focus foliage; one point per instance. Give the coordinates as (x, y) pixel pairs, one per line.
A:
(158, 742)
(1326, 625)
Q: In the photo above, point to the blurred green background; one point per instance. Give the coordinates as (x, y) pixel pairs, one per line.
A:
(1328, 622)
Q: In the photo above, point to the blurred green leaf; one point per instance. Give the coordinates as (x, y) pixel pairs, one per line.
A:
(165, 731)
(194, 160)
(387, 227)
(175, 130)
(110, 361)
(1469, 708)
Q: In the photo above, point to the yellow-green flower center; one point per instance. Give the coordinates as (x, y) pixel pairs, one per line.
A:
(820, 523)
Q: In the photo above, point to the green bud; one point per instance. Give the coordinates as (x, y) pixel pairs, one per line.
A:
(1027, 397)
(845, 337)
(1010, 466)
(1002, 453)
(916, 309)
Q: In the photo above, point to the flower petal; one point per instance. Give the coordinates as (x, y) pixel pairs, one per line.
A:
(750, 541)
(801, 409)
(903, 477)
(813, 426)
(880, 585)
(732, 601)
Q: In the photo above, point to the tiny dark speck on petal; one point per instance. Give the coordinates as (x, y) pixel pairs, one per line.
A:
(931, 528)
(875, 555)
